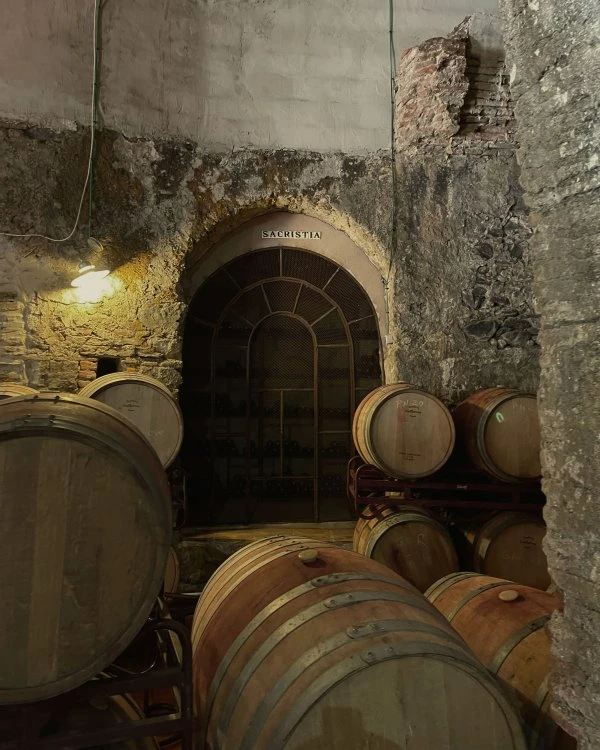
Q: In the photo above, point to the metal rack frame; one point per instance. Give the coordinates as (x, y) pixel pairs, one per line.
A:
(367, 485)
(26, 721)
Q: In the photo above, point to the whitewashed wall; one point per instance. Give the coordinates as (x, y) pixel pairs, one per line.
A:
(302, 74)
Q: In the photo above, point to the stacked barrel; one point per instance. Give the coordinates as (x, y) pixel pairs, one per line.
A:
(505, 625)
(499, 431)
(86, 516)
(409, 434)
(500, 609)
(408, 540)
(297, 644)
(403, 430)
(300, 644)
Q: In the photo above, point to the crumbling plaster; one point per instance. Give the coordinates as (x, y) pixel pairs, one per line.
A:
(265, 74)
(157, 203)
(451, 250)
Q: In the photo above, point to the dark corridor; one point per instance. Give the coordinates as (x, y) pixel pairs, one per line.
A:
(279, 347)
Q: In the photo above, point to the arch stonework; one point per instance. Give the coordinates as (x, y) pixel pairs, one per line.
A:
(280, 228)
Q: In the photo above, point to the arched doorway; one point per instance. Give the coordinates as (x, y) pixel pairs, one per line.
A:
(279, 347)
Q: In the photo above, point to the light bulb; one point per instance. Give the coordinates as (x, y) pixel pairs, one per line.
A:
(87, 273)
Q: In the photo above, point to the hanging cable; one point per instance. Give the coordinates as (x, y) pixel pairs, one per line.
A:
(94, 108)
(92, 140)
(394, 222)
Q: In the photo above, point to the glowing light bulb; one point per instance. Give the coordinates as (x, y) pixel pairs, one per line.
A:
(88, 275)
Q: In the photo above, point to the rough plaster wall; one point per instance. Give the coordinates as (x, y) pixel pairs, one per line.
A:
(160, 202)
(555, 68)
(462, 232)
(156, 203)
(462, 269)
(262, 73)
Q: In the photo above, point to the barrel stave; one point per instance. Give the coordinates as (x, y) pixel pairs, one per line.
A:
(404, 431)
(288, 634)
(409, 541)
(77, 593)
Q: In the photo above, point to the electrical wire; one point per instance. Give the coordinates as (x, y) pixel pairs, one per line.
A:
(97, 8)
(394, 222)
(92, 140)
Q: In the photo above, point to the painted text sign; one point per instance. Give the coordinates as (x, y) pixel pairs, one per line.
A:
(290, 234)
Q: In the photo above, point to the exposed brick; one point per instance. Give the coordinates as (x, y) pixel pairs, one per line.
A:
(446, 86)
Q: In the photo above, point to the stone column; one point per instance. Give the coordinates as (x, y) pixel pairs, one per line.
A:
(554, 64)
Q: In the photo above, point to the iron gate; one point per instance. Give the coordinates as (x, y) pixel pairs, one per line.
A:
(279, 347)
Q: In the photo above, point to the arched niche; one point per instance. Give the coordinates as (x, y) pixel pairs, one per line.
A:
(280, 344)
(283, 228)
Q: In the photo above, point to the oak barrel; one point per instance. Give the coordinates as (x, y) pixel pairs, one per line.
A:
(86, 521)
(147, 403)
(10, 390)
(403, 430)
(499, 430)
(409, 541)
(504, 625)
(172, 571)
(509, 545)
(300, 644)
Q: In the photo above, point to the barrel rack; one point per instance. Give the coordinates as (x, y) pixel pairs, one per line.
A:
(26, 726)
(451, 488)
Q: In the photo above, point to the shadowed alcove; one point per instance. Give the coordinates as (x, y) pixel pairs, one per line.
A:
(279, 347)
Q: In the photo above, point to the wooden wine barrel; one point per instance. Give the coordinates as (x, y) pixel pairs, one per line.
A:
(404, 431)
(10, 390)
(504, 625)
(147, 403)
(86, 522)
(509, 545)
(409, 541)
(500, 433)
(172, 571)
(301, 644)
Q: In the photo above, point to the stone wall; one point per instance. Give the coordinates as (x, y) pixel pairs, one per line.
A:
(156, 205)
(267, 74)
(12, 335)
(455, 263)
(554, 66)
(462, 268)
(463, 230)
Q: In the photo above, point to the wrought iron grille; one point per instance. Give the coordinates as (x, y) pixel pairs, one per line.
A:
(279, 347)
